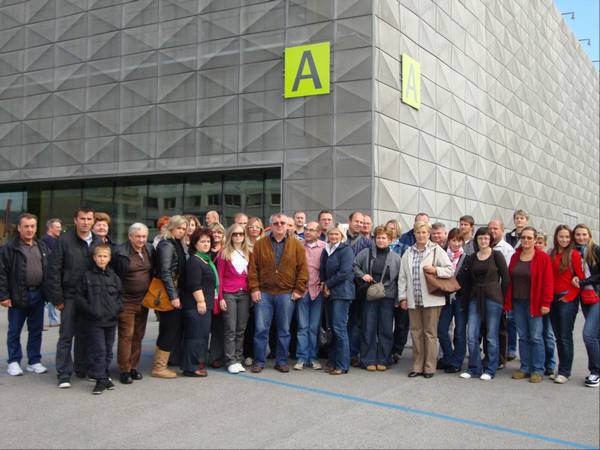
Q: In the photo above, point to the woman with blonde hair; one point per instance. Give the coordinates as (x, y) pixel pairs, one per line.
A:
(234, 300)
(254, 230)
(171, 259)
(216, 340)
(590, 304)
(193, 225)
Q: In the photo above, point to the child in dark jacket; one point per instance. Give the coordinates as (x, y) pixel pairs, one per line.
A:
(100, 298)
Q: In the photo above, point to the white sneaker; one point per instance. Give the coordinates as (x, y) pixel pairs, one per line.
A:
(316, 365)
(37, 368)
(240, 367)
(14, 369)
(299, 365)
(485, 377)
(561, 379)
(233, 369)
(465, 375)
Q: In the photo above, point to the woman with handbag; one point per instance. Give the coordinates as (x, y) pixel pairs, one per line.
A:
(590, 300)
(424, 257)
(378, 266)
(338, 289)
(170, 257)
(529, 296)
(198, 296)
(483, 278)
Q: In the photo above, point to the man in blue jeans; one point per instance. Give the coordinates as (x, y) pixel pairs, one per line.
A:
(309, 306)
(22, 265)
(277, 277)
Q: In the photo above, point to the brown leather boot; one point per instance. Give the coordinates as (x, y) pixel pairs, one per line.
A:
(159, 368)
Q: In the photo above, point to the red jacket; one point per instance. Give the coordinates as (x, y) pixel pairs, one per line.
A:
(562, 280)
(542, 282)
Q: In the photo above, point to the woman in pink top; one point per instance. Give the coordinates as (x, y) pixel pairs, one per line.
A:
(234, 300)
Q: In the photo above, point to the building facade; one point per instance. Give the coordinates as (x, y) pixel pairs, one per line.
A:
(150, 107)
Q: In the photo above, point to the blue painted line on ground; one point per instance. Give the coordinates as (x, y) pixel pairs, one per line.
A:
(387, 405)
(416, 411)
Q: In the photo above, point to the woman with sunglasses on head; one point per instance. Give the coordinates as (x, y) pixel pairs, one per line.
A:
(529, 296)
(234, 300)
(567, 270)
(590, 295)
(483, 278)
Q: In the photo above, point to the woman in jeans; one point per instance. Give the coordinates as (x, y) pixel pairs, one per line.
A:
(590, 304)
(529, 296)
(338, 289)
(199, 292)
(453, 357)
(376, 264)
(567, 270)
(483, 279)
(170, 258)
(234, 300)
(423, 308)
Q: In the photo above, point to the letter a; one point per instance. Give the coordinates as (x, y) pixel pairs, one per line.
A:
(307, 58)
(411, 84)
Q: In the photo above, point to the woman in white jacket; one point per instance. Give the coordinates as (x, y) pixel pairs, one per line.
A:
(423, 308)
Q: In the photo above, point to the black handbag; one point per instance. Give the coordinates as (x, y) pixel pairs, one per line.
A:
(325, 335)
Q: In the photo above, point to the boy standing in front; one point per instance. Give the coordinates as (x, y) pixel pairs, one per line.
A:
(100, 298)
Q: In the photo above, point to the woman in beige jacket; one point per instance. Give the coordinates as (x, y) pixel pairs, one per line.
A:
(423, 308)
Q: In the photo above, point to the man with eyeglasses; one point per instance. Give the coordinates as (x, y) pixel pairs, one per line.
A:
(277, 277)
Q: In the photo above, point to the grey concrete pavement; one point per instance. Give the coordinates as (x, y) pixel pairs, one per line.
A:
(297, 410)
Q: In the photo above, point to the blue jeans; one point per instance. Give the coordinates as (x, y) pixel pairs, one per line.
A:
(309, 319)
(531, 337)
(34, 315)
(511, 333)
(355, 327)
(339, 349)
(562, 315)
(591, 336)
(282, 307)
(377, 332)
(52, 314)
(453, 357)
(549, 343)
(493, 314)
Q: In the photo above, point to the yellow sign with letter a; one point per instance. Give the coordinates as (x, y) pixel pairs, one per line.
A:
(307, 70)
(411, 81)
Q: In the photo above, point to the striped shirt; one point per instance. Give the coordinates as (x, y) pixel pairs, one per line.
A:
(416, 274)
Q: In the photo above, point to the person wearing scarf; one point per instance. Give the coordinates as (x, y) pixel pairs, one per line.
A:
(199, 292)
(590, 301)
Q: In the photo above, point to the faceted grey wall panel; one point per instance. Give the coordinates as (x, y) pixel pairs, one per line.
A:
(508, 117)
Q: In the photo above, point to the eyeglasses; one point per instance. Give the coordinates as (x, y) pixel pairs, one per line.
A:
(279, 224)
(527, 238)
(237, 234)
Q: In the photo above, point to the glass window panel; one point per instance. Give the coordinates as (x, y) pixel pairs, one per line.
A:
(242, 193)
(129, 208)
(165, 198)
(202, 194)
(272, 194)
(11, 205)
(39, 202)
(65, 200)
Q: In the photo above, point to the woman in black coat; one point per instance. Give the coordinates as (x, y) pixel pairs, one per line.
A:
(171, 264)
(198, 296)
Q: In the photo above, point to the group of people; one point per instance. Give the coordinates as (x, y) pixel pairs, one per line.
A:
(240, 295)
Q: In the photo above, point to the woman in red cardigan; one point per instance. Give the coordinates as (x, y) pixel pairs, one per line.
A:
(529, 296)
(567, 269)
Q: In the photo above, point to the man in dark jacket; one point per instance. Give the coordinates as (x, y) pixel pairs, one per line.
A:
(67, 264)
(408, 238)
(53, 232)
(134, 263)
(22, 265)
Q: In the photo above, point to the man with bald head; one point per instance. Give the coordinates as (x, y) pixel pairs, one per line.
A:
(211, 217)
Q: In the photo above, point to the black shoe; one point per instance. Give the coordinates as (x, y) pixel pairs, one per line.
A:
(109, 384)
(99, 388)
(452, 369)
(136, 375)
(125, 378)
(427, 375)
(81, 375)
(441, 365)
(396, 357)
(414, 374)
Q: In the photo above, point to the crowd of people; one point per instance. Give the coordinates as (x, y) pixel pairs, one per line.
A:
(313, 291)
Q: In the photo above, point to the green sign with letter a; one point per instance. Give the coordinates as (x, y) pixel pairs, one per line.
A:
(307, 70)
